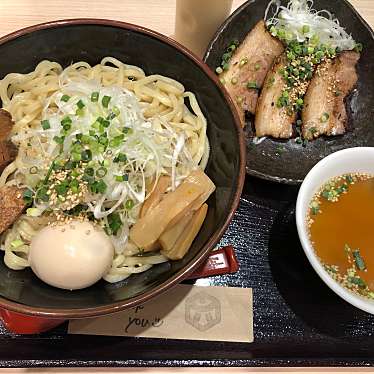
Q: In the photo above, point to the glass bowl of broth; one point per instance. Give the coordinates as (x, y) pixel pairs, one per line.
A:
(334, 217)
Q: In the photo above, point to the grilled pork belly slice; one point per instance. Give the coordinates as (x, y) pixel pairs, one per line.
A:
(8, 150)
(248, 68)
(324, 111)
(11, 206)
(270, 119)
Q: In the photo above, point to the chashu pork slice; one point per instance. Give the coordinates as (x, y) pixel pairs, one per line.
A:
(271, 120)
(11, 206)
(249, 64)
(8, 150)
(324, 110)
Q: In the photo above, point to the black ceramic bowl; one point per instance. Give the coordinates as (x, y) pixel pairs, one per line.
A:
(90, 40)
(287, 161)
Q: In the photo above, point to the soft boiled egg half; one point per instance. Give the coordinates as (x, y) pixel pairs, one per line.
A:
(71, 256)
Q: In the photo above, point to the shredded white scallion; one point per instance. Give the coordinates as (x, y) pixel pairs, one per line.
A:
(301, 21)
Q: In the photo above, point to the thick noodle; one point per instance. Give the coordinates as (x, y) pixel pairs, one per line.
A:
(163, 101)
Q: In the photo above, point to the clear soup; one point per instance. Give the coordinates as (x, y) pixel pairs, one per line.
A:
(341, 229)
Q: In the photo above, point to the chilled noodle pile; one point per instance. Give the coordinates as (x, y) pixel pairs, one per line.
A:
(92, 144)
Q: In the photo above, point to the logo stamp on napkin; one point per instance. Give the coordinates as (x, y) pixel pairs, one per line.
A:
(203, 311)
(185, 312)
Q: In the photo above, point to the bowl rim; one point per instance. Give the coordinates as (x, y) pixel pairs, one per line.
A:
(211, 243)
(302, 199)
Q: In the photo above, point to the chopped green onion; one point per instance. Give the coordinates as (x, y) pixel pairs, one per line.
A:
(89, 171)
(116, 111)
(349, 179)
(16, 243)
(45, 124)
(59, 139)
(257, 67)
(62, 188)
(314, 208)
(319, 55)
(80, 104)
(281, 33)
(114, 222)
(79, 112)
(49, 172)
(357, 281)
(121, 157)
(358, 47)
(94, 97)
(324, 118)
(86, 155)
(42, 195)
(66, 121)
(98, 187)
(127, 130)
(243, 61)
(271, 81)
(226, 56)
(116, 141)
(65, 98)
(315, 39)
(231, 48)
(74, 186)
(103, 140)
(306, 29)
(76, 156)
(312, 130)
(67, 127)
(28, 196)
(129, 204)
(122, 178)
(252, 85)
(85, 139)
(219, 70)
(34, 170)
(77, 148)
(119, 178)
(360, 263)
(105, 101)
(70, 165)
(33, 212)
(101, 172)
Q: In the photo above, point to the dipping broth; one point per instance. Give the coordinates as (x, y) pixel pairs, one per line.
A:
(341, 228)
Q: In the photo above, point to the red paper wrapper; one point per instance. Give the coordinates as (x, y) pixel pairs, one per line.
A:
(220, 261)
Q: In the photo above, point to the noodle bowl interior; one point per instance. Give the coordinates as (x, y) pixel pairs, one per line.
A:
(106, 174)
